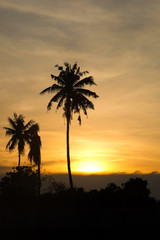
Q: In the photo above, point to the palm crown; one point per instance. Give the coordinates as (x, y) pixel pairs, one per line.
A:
(19, 133)
(70, 91)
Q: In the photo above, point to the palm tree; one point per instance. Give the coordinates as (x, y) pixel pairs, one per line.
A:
(34, 153)
(19, 133)
(71, 94)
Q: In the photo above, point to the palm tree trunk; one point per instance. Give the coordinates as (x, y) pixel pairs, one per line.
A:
(68, 157)
(39, 180)
(19, 158)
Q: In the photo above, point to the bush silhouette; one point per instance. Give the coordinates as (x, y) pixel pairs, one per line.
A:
(135, 189)
(20, 183)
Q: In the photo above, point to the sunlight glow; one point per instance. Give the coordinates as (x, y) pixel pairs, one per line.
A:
(90, 167)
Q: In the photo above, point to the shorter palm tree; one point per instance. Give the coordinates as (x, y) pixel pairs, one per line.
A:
(19, 133)
(34, 153)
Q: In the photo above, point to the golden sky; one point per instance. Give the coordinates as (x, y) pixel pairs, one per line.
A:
(118, 42)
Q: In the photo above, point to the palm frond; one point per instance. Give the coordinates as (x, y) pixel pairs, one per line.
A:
(84, 101)
(86, 81)
(53, 88)
(12, 123)
(59, 67)
(55, 99)
(75, 106)
(15, 116)
(29, 124)
(81, 102)
(26, 138)
(87, 92)
(78, 70)
(34, 153)
(30, 156)
(45, 90)
(84, 109)
(66, 64)
(60, 103)
(68, 67)
(83, 73)
(9, 142)
(79, 119)
(33, 130)
(12, 143)
(74, 67)
(9, 131)
(21, 118)
(58, 79)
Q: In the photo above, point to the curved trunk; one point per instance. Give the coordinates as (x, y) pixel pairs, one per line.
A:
(68, 157)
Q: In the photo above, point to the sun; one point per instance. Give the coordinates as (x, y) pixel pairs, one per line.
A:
(88, 167)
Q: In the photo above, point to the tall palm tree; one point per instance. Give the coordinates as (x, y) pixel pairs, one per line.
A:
(34, 153)
(71, 94)
(19, 133)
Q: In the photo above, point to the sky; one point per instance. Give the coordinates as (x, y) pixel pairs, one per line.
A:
(117, 41)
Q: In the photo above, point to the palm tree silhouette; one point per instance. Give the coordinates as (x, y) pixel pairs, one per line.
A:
(34, 153)
(19, 133)
(71, 94)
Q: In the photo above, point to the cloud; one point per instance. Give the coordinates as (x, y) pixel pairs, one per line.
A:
(53, 162)
(118, 34)
(57, 10)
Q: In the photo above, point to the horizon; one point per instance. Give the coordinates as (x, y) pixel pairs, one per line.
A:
(5, 169)
(118, 44)
(96, 181)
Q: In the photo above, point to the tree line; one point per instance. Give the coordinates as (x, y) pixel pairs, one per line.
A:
(61, 208)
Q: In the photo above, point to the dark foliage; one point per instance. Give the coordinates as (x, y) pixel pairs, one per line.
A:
(21, 183)
(63, 209)
(135, 190)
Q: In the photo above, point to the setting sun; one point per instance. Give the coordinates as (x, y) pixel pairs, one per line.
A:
(89, 167)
